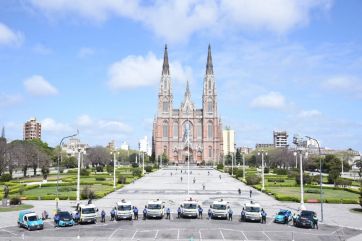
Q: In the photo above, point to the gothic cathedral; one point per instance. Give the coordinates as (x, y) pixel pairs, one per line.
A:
(187, 133)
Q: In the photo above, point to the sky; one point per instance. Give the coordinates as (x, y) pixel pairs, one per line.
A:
(95, 66)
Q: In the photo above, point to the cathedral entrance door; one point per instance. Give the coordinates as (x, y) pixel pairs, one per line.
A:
(187, 153)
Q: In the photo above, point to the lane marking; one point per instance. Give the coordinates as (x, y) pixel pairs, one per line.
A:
(178, 234)
(246, 238)
(222, 235)
(200, 234)
(156, 234)
(134, 235)
(7, 231)
(113, 233)
(266, 235)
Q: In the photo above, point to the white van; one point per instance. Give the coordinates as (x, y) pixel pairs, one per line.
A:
(252, 211)
(155, 209)
(124, 210)
(88, 213)
(219, 209)
(189, 208)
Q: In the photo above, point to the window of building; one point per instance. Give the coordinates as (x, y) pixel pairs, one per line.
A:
(165, 106)
(199, 131)
(175, 130)
(210, 151)
(165, 129)
(187, 128)
(210, 131)
(209, 106)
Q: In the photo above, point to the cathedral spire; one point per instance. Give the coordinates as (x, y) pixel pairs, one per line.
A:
(209, 66)
(3, 132)
(165, 66)
(187, 92)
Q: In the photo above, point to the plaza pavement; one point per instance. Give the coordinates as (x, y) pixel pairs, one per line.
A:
(172, 191)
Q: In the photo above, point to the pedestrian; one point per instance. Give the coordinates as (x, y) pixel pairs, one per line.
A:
(239, 191)
(194, 180)
(250, 192)
(145, 213)
(135, 213)
(220, 176)
(168, 213)
(56, 220)
(295, 216)
(103, 216)
(315, 221)
(263, 216)
(44, 215)
(208, 173)
(242, 215)
(181, 179)
(76, 217)
(209, 213)
(113, 214)
(179, 212)
(203, 186)
(230, 212)
(90, 201)
(171, 174)
(200, 212)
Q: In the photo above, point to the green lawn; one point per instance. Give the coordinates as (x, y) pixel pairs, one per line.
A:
(16, 208)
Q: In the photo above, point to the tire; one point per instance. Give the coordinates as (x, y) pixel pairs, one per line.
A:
(29, 229)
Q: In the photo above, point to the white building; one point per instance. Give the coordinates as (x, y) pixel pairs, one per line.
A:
(71, 148)
(280, 138)
(144, 146)
(124, 146)
(228, 141)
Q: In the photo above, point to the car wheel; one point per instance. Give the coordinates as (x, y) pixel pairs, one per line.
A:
(29, 229)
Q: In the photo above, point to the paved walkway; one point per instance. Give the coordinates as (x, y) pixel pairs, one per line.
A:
(173, 191)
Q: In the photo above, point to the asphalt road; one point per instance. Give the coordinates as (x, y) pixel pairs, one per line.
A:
(179, 229)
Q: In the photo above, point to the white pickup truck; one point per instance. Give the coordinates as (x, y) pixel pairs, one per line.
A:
(252, 212)
(155, 209)
(88, 213)
(219, 209)
(124, 210)
(189, 208)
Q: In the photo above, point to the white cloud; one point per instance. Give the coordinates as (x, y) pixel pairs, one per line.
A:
(42, 49)
(38, 86)
(309, 114)
(85, 52)
(10, 37)
(178, 20)
(271, 100)
(84, 120)
(49, 124)
(140, 71)
(7, 100)
(344, 84)
(114, 126)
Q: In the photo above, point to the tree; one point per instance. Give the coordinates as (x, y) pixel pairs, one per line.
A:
(69, 162)
(334, 168)
(251, 160)
(238, 157)
(98, 156)
(358, 164)
(3, 161)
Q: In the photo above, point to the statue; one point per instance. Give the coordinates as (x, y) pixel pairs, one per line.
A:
(6, 191)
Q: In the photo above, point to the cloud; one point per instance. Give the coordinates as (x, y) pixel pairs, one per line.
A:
(7, 100)
(85, 52)
(309, 114)
(139, 71)
(114, 126)
(38, 86)
(271, 100)
(42, 49)
(10, 37)
(84, 120)
(344, 84)
(49, 124)
(190, 16)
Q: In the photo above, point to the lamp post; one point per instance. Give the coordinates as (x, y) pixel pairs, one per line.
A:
(143, 163)
(114, 169)
(296, 159)
(244, 166)
(262, 153)
(58, 164)
(320, 174)
(78, 178)
(232, 164)
(300, 143)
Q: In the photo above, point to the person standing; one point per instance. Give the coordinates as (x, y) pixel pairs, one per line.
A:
(209, 213)
(230, 212)
(181, 179)
(56, 220)
(168, 213)
(76, 217)
(179, 212)
(220, 176)
(250, 192)
(315, 221)
(194, 180)
(200, 212)
(113, 214)
(103, 216)
(145, 213)
(242, 215)
(135, 213)
(239, 191)
(263, 216)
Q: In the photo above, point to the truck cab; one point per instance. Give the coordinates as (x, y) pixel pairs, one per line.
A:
(219, 209)
(252, 211)
(124, 210)
(189, 208)
(30, 221)
(88, 213)
(155, 209)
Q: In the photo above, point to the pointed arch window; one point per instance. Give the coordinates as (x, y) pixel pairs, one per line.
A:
(210, 151)
(210, 131)
(165, 106)
(199, 130)
(209, 106)
(175, 130)
(165, 129)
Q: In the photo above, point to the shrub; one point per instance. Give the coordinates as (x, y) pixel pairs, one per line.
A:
(292, 173)
(100, 178)
(67, 189)
(21, 190)
(220, 166)
(266, 170)
(280, 171)
(121, 179)
(253, 180)
(306, 179)
(15, 201)
(84, 172)
(238, 173)
(87, 193)
(313, 191)
(148, 169)
(6, 177)
(109, 168)
(281, 197)
(134, 165)
(343, 182)
(276, 180)
(45, 171)
(99, 168)
(136, 172)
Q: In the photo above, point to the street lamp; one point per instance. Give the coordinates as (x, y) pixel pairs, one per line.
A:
(78, 177)
(58, 163)
(232, 164)
(296, 159)
(114, 169)
(262, 153)
(244, 166)
(299, 142)
(320, 174)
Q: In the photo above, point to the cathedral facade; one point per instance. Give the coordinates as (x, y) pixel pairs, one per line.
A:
(187, 133)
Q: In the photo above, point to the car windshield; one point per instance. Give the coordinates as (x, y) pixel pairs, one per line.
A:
(252, 209)
(64, 215)
(282, 213)
(305, 214)
(219, 206)
(190, 206)
(88, 210)
(154, 206)
(124, 207)
(32, 218)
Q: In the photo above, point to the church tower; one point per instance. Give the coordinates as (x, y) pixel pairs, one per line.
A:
(209, 103)
(165, 97)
